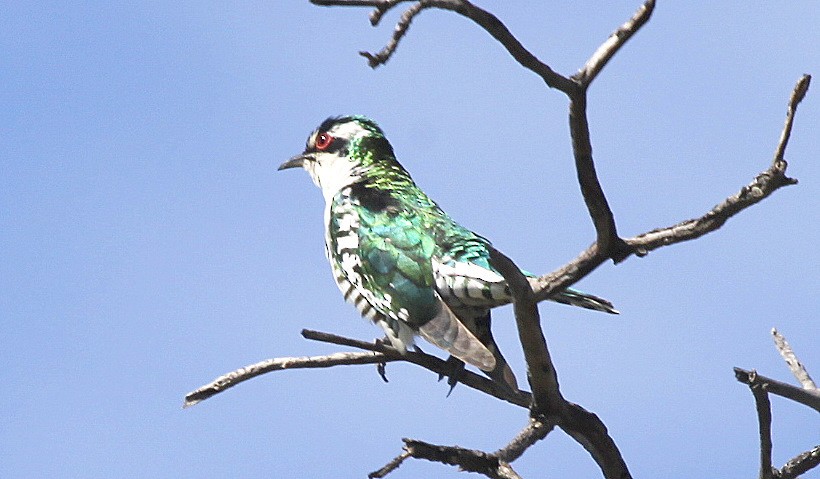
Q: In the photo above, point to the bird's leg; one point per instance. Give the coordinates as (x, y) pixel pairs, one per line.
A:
(381, 368)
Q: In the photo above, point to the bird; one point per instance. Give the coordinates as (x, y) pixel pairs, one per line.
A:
(399, 258)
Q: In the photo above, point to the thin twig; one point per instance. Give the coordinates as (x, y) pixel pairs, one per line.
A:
(377, 14)
(766, 183)
(794, 364)
(380, 58)
(761, 387)
(390, 466)
(610, 47)
(534, 431)
(486, 20)
(233, 378)
(797, 96)
(805, 397)
(495, 464)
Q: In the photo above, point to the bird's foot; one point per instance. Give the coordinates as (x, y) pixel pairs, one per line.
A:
(381, 368)
(455, 371)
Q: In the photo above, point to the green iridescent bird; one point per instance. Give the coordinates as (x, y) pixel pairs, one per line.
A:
(403, 262)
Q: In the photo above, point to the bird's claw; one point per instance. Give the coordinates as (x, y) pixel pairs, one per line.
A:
(455, 369)
(382, 370)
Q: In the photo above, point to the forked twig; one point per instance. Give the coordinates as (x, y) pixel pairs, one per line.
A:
(766, 183)
(761, 387)
(773, 386)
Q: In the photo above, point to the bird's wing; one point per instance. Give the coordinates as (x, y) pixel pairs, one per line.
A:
(394, 273)
(463, 275)
(470, 287)
(466, 280)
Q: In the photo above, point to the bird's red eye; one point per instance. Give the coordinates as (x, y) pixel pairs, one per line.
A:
(323, 140)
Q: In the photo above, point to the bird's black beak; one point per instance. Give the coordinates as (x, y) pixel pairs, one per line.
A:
(296, 162)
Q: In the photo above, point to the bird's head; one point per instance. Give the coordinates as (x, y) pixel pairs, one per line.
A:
(346, 150)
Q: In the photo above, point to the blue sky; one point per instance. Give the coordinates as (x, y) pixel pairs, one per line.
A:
(149, 244)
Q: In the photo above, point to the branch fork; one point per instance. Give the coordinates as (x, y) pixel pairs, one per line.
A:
(807, 395)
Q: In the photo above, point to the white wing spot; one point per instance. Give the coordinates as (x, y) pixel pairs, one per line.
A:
(348, 242)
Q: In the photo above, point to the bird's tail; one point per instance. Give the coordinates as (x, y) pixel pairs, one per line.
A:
(584, 300)
(447, 332)
(502, 373)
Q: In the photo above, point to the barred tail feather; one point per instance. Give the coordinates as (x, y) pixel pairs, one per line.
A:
(577, 298)
(447, 332)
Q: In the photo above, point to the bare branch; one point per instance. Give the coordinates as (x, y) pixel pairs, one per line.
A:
(379, 354)
(798, 94)
(535, 430)
(593, 437)
(233, 378)
(795, 365)
(495, 464)
(610, 47)
(547, 399)
(466, 459)
(486, 20)
(548, 404)
(384, 6)
(431, 363)
(390, 466)
(608, 243)
(589, 431)
(801, 464)
(764, 420)
(810, 398)
(761, 387)
(766, 183)
(385, 53)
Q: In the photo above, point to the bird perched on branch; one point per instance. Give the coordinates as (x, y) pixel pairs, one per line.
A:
(404, 263)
